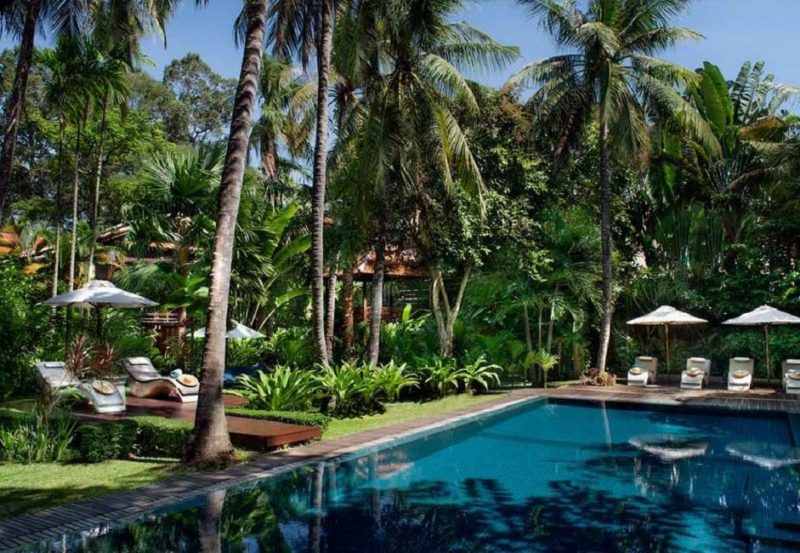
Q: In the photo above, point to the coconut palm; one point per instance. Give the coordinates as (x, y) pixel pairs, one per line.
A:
(286, 114)
(300, 28)
(609, 74)
(212, 443)
(403, 135)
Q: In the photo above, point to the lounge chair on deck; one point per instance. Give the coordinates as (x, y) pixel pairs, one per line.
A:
(696, 374)
(643, 371)
(740, 374)
(104, 396)
(145, 381)
(791, 376)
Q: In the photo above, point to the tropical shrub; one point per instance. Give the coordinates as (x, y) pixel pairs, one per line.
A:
(291, 346)
(25, 330)
(441, 376)
(403, 339)
(545, 361)
(392, 379)
(350, 390)
(282, 389)
(43, 440)
(479, 375)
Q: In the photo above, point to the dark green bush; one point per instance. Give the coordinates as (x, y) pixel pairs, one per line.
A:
(293, 417)
(157, 437)
(102, 442)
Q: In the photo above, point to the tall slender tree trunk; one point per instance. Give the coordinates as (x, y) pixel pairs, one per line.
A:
(348, 315)
(16, 102)
(58, 213)
(212, 444)
(376, 308)
(320, 177)
(73, 246)
(330, 308)
(76, 184)
(528, 341)
(96, 196)
(269, 158)
(606, 248)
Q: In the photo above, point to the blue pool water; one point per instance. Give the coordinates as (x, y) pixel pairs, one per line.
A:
(543, 477)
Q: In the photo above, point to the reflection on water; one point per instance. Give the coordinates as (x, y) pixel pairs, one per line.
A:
(561, 478)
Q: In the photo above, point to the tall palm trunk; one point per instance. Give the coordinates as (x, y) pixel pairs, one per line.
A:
(330, 308)
(212, 443)
(16, 102)
(348, 315)
(97, 181)
(376, 313)
(605, 240)
(320, 176)
(269, 158)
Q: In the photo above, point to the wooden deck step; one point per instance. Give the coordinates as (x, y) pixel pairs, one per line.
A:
(246, 433)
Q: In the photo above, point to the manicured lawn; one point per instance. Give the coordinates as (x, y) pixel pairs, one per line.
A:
(28, 488)
(402, 412)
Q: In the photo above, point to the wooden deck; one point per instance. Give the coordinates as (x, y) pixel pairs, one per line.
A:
(246, 433)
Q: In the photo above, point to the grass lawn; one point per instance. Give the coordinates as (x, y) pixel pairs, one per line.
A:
(402, 412)
(28, 488)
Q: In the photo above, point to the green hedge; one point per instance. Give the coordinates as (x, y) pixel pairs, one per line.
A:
(141, 436)
(293, 417)
(102, 442)
(158, 437)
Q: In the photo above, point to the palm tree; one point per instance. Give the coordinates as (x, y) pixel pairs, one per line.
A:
(303, 27)
(112, 73)
(212, 443)
(286, 114)
(403, 135)
(609, 73)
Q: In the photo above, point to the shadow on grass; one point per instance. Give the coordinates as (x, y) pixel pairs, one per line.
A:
(35, 487)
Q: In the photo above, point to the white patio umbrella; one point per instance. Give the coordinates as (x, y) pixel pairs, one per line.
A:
(239, 331)
(765, 316)
(667, 316)
(99, 294)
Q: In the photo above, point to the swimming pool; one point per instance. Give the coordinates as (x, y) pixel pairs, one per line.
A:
(545, 476)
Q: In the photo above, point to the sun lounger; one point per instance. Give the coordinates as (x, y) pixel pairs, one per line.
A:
(643, 371)
(696, 373)
(104, 396)
(145, 381)
(791, 376)
(740, 374)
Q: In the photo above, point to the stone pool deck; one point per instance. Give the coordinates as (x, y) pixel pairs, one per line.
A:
(96, 512)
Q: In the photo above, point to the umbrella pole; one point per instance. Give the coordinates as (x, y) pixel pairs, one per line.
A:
(666, 344)
(98, 322)
(766, 343)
